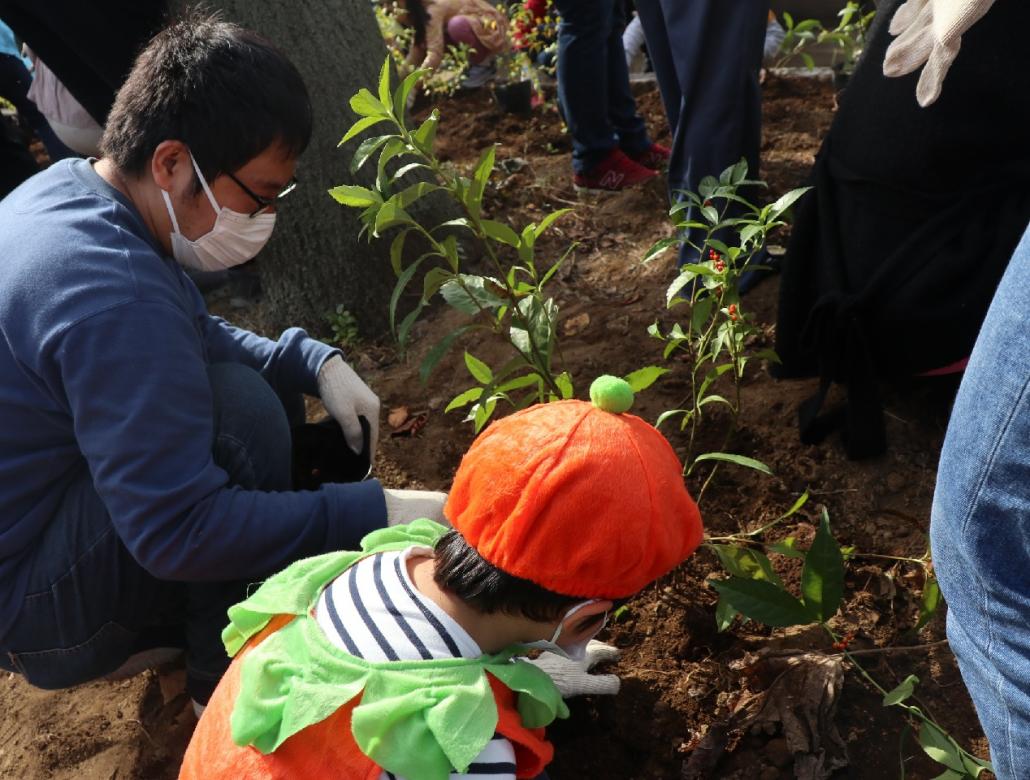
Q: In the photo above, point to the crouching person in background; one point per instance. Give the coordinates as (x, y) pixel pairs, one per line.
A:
(404, 660)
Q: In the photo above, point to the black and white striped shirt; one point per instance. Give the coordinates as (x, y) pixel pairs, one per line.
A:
(373, 611)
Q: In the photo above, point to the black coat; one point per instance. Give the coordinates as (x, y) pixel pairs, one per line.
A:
(895, 255)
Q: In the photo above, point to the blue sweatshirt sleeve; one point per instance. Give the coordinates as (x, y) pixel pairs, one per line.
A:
(289, 365)
(136, 385)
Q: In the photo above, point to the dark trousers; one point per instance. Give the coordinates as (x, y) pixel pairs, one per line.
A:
(90, 605)
(15, 80)
(593, 83)
(706, 56)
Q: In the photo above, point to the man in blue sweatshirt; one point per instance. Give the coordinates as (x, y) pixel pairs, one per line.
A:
(144, 444)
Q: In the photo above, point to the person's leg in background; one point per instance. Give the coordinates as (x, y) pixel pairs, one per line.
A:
(707, 55)
(625, 120)
(584, 92)
(91, 605)
(980, 523)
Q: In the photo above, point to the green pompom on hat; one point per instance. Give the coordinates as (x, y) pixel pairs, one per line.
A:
(611, 394)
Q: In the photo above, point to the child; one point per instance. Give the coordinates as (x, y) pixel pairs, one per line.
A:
(399, 661)
(442, 23)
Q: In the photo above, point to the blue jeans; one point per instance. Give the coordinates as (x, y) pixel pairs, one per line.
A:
(90, 605)
(706, 56)
(980, 525)
(593, 83)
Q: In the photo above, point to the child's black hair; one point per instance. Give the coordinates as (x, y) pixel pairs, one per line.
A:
(418, 18)
(462, 571)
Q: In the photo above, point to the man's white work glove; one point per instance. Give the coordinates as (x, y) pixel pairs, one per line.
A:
(929, 35)
(573, 678)
(346, 398)
(403, 506)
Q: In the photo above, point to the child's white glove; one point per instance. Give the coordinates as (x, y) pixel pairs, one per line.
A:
(929, 35)
(347, 398)
(573, 678)
(403, 506)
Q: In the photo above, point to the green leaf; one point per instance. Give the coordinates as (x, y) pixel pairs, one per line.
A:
(483, 414)
(391, 215)
(564, 382)
(940, 747)
(400, 96)
(480, 371)
(464, 399)
(479, 179)
(746, 563)
(700, 312)
(643, 378)
(822, 579)
(724, 615)
(384, 83)
(902, 692)
(365, 103)
(784, 202)
(366, 149)
(710, 213)
(739, 460)
(930, 601)
(787, 548)
(802, 500)
(397, 251)
(498, 231)
(762, 601)
(433, 357)
(402, 283)
(361, 126)
(352, 195)
(433, 281)
(469, 294)
(669, 415)
(409, 195)
(426, 133)
(547, 221)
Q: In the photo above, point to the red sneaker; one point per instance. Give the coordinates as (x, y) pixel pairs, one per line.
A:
(656, 157)
(614, 172)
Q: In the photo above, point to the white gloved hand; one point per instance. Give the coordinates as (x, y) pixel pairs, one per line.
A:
(573, 678)
(403, 506)
(346, 398)
(929, 35)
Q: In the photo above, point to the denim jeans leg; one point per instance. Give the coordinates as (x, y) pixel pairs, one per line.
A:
(582, 78)
(629, 126)
(980, 523)
(91, 605)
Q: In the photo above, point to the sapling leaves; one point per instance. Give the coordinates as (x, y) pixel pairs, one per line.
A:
(433, 357)
(901, 692)
(929, 602)
(822, 579)
(643, 378)
(480, 371)
(762, 601)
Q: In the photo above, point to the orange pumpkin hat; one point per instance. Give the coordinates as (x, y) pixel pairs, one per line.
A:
(580, 498)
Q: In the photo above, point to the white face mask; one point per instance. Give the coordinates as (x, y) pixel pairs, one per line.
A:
(576, 652)
(234, 239)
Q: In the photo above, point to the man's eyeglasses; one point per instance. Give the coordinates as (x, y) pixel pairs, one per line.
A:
(264, 203)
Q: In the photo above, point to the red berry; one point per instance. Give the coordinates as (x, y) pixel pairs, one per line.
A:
(720, 266)
(733, 311)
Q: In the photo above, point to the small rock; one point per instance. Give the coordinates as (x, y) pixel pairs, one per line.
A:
(895, 482)
(435, 402)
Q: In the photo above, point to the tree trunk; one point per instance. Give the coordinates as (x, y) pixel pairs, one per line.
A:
(315, 259)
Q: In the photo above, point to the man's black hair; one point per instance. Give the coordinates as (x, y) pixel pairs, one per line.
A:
(462, 571)
(226, 92)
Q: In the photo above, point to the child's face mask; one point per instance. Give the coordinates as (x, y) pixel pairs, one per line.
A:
(574, 652)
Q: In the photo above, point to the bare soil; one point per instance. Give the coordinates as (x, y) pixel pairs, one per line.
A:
(682, 680)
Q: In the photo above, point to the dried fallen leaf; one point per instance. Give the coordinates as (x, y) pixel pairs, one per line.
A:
(397, 417)
(800, 700)
(577, 324)
(414, 423)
